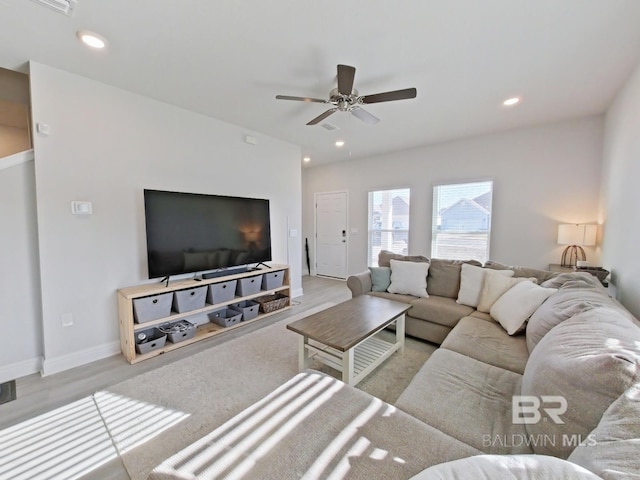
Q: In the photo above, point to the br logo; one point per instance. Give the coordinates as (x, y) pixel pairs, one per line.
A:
(526, 409)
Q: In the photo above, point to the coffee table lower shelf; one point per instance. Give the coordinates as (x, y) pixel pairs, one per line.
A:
(354, 364)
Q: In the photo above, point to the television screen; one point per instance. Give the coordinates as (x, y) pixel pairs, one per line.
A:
(189, 232)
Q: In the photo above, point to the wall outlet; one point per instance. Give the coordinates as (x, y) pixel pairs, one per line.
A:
(66, 319)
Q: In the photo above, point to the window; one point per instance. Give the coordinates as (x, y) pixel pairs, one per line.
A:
(462, 221)
(388, 222)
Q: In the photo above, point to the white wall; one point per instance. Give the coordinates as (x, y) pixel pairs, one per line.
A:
(621, 194)
(106, 145)
(542, 176)
(19, 282)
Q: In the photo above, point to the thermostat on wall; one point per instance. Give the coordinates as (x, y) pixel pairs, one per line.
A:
(81, 208)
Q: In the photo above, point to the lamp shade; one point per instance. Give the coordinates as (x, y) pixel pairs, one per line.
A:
(576, 234)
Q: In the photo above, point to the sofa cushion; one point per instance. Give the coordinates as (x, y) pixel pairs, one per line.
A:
(471, 282)
(444, 276)
(380, 278)
(577, 292)
(586, 362)
(468, 400)
(315, 426)
(494, 287)
(513, 309)
(488, 343)
(409, 278)
(518, 272)
(441, 310)
(506, 467)
(393, 296)
(385, 256)
(612, 449)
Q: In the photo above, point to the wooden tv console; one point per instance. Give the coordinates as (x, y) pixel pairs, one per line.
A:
(129, 328)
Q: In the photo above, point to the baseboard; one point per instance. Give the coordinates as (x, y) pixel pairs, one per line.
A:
(51, 366)
(297, 292)
(20, 369)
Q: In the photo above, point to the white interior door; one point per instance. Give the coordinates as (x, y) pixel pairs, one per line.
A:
(331, 234)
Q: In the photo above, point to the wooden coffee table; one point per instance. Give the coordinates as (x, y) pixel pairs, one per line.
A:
(342, 336)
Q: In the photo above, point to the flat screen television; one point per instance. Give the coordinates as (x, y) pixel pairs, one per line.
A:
(191, 232)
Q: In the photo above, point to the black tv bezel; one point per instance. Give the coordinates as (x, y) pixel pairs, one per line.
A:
(231, 267)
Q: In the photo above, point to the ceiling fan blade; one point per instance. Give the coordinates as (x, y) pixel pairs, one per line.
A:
(300, 99)
(319, 118)
(390, 96)
(346, 74)
(365, 116)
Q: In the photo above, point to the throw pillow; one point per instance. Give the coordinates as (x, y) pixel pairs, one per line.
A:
(471, 281)
(513, 309)
(506, 467)
(380, 278)
(494, 287)
(409, 278)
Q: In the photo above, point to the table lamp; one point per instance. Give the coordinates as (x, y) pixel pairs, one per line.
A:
(575, 236)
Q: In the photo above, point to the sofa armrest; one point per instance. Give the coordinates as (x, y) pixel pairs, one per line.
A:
(359, 283)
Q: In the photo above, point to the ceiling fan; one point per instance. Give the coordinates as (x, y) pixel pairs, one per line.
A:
(345, 98)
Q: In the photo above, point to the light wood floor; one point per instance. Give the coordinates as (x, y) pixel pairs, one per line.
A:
(37, 395)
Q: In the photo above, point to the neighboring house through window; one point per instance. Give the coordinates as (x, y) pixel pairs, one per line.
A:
(388, 222)
(462, 221)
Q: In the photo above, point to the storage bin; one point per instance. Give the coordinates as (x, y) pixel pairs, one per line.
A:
(189, 299)
(149, 340)
(272, 280)
(225, 317)
(178, 331)
(271, 303)
(249, 285)
(248, 308)
(221, 292)
(153, 307)
(198, 319)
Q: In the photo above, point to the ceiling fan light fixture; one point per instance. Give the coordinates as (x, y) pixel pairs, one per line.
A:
(510, 102)
(91, 39)
(61, 6)
(306, 159)
(340, 143)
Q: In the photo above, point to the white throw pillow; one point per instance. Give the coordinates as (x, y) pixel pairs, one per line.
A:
(471, 282)
(494, 287)
(409, 278)
(513, 309)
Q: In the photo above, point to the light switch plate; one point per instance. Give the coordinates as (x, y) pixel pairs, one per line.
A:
(81, 208)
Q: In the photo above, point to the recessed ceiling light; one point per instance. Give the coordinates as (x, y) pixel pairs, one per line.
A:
(510, 102)
(91, 39)
(340, 143)
(306, 159)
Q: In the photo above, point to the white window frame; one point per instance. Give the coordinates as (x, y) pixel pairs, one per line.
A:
(390, 232)
(435, 231)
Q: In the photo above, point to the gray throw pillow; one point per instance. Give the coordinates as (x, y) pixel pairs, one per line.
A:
(380, 278)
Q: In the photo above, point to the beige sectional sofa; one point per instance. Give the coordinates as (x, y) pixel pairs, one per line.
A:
(559, 400)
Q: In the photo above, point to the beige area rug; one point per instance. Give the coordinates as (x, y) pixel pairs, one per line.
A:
(214, 385)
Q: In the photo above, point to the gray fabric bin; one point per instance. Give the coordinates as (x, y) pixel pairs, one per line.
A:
(150, 308)
(225, 317)
(221, 292)
(248, 308)
(272, 280)
(153, 340)
(178, 331)
(249, 285)
(190, 299)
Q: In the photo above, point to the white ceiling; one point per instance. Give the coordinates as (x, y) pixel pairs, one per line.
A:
(229, 58)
